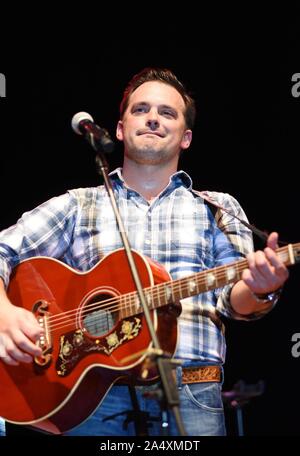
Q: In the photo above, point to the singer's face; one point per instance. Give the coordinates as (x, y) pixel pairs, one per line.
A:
(153, 126)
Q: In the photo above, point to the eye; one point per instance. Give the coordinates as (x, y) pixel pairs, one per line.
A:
(138, 109)
(168, 113)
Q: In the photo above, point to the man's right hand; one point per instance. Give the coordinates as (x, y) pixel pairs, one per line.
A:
(19, 330)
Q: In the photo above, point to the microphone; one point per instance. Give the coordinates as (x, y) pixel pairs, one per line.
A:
(83, 124)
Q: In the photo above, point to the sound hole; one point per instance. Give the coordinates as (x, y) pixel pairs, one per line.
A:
(99, 322)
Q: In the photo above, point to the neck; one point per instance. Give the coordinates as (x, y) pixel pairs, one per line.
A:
(147, 180)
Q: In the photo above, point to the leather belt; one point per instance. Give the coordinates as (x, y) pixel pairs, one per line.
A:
(189, 375)
(201, 374)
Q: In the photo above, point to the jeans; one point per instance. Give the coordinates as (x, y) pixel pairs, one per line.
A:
(201, 410)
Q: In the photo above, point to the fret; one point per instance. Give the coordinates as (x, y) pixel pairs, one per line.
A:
(123, 306)
(291, 254)
(149, 297)
(192, 287)
(217, 277)
(284, 256)
(156, 297)
(177, 293)
(168, 293)
(127, 305)
(158, 302)
(210, 280)
(136, 304)
(131, 304)
(180, 290)
(231, 273)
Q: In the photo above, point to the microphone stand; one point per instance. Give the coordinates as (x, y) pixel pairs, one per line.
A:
(170, 397)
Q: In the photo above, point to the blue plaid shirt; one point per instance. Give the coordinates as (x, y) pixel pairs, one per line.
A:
(177, 229)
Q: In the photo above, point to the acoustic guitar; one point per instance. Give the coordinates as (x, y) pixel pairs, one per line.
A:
(95, 333)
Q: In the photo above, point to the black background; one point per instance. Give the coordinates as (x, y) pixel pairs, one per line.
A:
(246, 142)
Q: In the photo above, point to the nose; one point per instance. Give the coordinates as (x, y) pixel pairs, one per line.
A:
(153, 124)
(152, 121)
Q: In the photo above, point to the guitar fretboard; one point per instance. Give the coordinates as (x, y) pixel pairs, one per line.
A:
(175, 290)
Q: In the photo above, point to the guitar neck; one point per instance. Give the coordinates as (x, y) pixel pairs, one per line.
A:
(200, 282)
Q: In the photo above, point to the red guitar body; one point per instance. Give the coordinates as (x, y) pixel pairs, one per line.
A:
(63, 388)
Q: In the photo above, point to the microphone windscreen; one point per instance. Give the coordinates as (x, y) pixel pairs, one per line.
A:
(77, 118)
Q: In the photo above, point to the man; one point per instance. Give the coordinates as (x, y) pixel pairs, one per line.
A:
(167, 221)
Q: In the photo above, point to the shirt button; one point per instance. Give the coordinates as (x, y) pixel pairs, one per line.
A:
(147, 241)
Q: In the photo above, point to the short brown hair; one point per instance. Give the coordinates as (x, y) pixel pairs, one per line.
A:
(168, 77)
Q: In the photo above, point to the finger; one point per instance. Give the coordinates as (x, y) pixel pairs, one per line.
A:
(251, 260)
(30, 317)
(31, 331)
(279, 270)
(255, 281)
(259, 265)
(24, 345)
(10, 361)
(275, 261)
(259, 277)
(272, 241)
(16, 354)
(269, 266)
(248, 278)
(27, 346)
(32, 326)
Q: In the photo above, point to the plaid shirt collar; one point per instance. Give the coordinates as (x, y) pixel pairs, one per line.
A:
(176, 180)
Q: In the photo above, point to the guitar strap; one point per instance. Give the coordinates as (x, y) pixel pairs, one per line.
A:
(214, 206)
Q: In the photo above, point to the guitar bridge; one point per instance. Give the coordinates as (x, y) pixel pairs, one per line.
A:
(40, 310)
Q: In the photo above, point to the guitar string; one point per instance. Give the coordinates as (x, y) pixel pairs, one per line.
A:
(123, 306)
(69, 321)
(158, 291)
(128, 296)
(175, 285)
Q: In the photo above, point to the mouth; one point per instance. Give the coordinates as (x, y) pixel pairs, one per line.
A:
(151, 133)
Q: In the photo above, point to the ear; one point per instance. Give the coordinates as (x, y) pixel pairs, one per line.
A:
(119, 131)
(186, 139)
